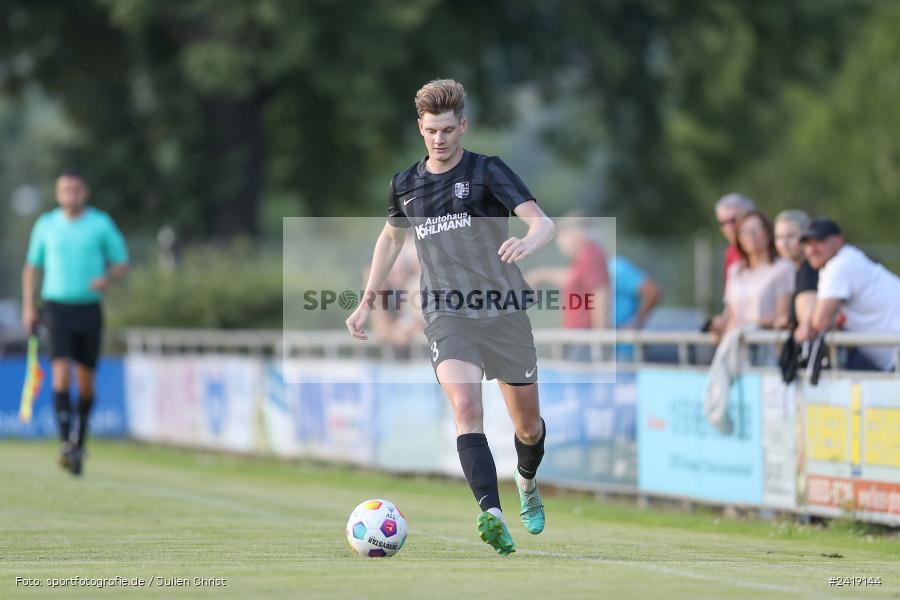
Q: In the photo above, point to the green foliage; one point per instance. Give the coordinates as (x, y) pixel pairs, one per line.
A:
(212, 288)
(192, 112)
(842, 155)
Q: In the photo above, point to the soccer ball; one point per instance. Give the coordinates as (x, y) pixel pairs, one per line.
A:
(376, 528)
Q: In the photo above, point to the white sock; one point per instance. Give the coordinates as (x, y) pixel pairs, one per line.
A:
(496, 512)
(526, 485)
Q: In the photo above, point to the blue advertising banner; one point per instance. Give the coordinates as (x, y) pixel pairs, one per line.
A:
(334, 416)
(681, 454)
(108, 418)
(592, 434)
(414, 422)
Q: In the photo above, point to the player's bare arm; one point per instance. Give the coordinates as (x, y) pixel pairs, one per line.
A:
(540, 231)
(387, 248)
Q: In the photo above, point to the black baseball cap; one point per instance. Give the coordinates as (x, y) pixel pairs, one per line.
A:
(820, 229)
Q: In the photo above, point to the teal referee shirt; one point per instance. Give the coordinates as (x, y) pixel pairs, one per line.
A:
(74, 252)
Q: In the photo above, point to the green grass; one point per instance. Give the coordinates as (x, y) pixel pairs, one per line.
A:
(275, 529)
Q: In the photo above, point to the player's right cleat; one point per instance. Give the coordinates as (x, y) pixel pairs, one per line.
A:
(492, 530)
(532, 513)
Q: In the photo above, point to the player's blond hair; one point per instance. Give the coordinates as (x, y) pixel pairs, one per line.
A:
(440, 96)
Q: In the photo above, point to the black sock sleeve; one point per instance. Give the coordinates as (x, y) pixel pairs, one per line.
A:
(530, 456)
(478, 466)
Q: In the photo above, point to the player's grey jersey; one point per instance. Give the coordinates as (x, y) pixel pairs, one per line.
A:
(460, 219)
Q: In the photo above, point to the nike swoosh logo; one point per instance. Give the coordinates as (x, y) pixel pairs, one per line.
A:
(530, 373)
(408, 200)
(482, 498)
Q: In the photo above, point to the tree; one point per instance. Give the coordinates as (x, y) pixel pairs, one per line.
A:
(193, 112)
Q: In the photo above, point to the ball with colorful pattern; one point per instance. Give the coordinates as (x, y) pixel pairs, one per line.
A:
(376, 528)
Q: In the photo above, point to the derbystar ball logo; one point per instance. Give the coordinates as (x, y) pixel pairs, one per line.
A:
(445, 223)
(380, 544)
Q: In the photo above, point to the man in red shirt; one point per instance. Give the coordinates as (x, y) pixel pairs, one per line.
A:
(729, 209)
(584, 284)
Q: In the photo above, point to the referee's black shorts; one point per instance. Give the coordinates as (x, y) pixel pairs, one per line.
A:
(75, 331)
(502, 346)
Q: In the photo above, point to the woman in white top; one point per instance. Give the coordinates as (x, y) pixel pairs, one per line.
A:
(759, 288)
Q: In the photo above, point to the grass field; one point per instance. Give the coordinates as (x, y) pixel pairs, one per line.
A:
(274, 529)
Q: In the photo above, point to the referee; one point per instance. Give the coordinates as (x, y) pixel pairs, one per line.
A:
(474, 297)
(81, 252)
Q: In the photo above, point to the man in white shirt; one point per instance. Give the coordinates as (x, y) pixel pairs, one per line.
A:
(866, 292)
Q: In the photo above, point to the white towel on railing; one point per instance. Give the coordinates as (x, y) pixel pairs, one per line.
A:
(723, 371)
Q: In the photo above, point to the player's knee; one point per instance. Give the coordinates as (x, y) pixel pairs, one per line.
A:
(532, 434)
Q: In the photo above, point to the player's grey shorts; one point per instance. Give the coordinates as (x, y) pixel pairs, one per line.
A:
(502, 346)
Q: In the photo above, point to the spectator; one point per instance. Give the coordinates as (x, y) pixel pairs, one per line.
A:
(866, 292)
(759, 288)
(729, 209)
(584, 283)
(789, 227)
(396, 318)
(634, 294)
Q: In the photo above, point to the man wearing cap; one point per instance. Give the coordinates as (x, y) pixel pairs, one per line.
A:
(849, 281)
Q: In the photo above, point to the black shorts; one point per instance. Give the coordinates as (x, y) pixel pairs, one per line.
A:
(75, 331)
(502, 346)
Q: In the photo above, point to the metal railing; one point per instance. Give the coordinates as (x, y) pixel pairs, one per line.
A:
(681, 348)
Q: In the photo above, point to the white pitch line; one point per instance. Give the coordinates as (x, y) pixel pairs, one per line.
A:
(653, 567)
(202, 499)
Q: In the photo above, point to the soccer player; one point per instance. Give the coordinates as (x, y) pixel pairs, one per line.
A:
(459, 204)
(81, 252)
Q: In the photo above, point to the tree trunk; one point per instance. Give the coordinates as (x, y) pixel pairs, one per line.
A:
(235, 165)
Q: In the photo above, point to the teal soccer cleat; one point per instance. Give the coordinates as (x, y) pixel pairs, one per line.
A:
(532, 513)
(492, 530)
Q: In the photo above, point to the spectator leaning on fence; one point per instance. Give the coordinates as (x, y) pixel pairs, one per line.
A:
(729, 209)
(759, 288)
(397, 317)
(865, 291)
(584, 284)
(789, 228)
(635, 294)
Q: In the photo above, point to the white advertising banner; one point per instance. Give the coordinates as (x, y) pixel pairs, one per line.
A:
(779, 464)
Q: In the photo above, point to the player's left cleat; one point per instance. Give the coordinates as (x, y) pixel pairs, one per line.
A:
(492, 530)
(532, 513)
(76, 461)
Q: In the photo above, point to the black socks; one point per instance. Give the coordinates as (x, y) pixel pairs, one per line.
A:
(478, 466)
(530, 456)
(63, 408)
(84, 413)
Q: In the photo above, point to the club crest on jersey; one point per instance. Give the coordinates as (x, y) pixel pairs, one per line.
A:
(461, 189)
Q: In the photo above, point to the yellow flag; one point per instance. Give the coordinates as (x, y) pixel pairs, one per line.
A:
(34, 377)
